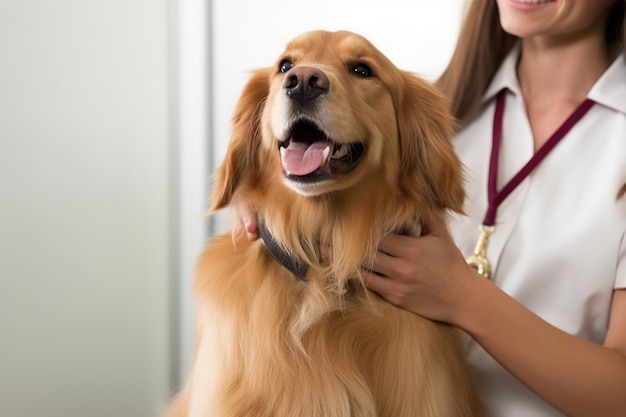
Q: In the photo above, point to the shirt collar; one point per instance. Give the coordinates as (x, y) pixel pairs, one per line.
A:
(609, 90)
(506, 76)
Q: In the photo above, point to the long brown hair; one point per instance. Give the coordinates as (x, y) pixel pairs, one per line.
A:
(481, 48)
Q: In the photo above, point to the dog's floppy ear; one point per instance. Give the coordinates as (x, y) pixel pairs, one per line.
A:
(426, 128)
(240, 159)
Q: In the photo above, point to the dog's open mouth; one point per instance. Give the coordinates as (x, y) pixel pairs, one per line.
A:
(309, 154)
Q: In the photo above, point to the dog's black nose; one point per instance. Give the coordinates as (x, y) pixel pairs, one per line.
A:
(305, 83)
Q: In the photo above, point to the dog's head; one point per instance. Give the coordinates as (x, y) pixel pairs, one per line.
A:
(334, 127)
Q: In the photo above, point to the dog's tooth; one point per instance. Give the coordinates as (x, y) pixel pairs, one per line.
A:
(341, 152)
(282, 151)
(326, 153)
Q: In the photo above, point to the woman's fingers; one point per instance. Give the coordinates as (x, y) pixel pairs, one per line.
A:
(247, 215)
(383, 286)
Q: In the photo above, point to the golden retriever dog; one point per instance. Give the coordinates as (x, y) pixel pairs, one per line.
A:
(335, 148)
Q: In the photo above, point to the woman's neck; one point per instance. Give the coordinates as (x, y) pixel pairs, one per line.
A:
(555, 75)
(561, 70)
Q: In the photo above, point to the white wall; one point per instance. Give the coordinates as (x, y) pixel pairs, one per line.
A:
(193, 118)
(85, 190)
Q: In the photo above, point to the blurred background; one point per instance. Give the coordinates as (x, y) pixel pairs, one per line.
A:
(113, 114)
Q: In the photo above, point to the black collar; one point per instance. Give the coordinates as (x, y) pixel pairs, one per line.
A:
(297, 266)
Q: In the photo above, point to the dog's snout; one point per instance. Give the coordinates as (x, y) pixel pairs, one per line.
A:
(305, 83)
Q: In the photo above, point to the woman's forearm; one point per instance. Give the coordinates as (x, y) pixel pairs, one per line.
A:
(578, 377)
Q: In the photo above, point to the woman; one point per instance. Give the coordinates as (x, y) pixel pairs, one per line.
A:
(548, 326)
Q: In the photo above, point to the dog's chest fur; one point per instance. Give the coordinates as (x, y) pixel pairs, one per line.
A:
(287, 350)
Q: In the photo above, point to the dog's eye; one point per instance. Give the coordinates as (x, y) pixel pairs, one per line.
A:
(362, 70)
(285, 65)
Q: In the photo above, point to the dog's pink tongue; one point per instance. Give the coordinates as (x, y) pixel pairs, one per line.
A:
(302, 159)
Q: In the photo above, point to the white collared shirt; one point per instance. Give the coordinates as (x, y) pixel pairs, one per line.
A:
(559, 245)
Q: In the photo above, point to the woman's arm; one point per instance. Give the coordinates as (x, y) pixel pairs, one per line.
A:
(429, 276)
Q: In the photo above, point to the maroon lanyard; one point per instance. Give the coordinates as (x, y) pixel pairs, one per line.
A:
(495, 197)
(478, 260)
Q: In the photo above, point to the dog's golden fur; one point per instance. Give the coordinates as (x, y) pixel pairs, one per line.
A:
(270, 345)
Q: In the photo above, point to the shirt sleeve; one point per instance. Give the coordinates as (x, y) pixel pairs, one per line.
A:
(620, 275)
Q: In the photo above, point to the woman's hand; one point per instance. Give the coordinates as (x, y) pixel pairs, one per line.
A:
(247, 216)
(426, 275)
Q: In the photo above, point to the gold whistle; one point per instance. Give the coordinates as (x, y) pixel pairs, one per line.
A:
(479, 260)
